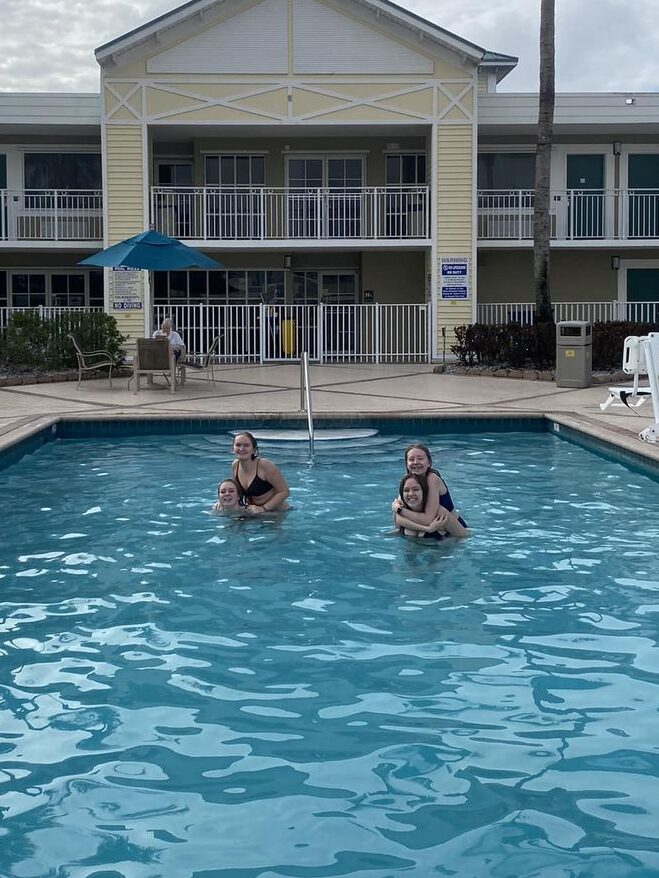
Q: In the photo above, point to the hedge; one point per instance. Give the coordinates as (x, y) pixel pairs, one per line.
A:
(31, 341)
(514, 345)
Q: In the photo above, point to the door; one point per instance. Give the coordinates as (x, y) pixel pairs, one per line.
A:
(643, 294)
(305, 178)
(643, 186)
(338, 292)
(175, 209)
(585, 184)
(234, 196)
(325, 197)
(3, 197)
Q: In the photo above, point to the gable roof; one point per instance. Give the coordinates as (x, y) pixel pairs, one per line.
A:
(385, 8)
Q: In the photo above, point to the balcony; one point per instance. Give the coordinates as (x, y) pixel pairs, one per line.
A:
(62, 215)
(575, 215)
(252, 214)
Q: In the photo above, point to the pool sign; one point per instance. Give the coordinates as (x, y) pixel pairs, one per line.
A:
(127, 293)
(454, 277)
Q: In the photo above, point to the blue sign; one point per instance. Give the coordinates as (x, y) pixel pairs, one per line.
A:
(458, 269)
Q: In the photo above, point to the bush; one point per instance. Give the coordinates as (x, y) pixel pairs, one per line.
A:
(512, 344)
(32, 342)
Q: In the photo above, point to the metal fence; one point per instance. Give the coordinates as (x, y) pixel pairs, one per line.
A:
(43, 311)
(51, 215)
(329, 333)
(594, 312)
(246, 213)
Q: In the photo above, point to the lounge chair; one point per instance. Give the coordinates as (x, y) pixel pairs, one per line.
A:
(90, 361)
(203, 362)
(633, 363)
(154, 356)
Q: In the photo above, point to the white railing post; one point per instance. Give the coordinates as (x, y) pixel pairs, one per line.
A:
(263, 334)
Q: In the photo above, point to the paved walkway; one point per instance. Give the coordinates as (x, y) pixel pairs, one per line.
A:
(340, 390)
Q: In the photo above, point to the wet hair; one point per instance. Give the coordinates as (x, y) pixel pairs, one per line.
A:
(423, 484)
(252, 439)
(421, 447)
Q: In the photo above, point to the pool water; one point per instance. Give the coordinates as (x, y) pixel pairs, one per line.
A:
(184, 695)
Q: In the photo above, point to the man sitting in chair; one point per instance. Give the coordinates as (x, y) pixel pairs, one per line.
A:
(175, 340)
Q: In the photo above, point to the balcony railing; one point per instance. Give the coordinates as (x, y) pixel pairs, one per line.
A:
(51, 215)
(575, 214)
(237, 213)
(595, 312)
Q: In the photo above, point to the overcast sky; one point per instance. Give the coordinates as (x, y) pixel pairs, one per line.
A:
(602, 45)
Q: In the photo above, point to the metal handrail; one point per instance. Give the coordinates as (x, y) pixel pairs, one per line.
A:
(305, 396)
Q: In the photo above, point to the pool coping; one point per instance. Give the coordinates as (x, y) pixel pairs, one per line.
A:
(609, 441)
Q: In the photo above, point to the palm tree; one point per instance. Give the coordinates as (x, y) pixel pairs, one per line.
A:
(541, 227)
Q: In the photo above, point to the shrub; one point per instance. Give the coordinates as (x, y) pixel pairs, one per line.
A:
(30, 341)
(512, 344)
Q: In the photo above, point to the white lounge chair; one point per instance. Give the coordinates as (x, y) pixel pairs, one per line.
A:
(633, 363)
(651, 350)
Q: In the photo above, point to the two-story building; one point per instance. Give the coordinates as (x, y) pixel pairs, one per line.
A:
(351, 166)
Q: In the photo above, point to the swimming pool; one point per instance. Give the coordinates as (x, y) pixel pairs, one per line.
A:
(188, 696)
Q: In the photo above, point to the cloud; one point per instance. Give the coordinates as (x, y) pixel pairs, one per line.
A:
(602, 45)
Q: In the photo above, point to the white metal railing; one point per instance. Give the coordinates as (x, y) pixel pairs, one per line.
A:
(595, 312)
(43, 311)
(51, 215)
(575, 214)
(234, 213)
(329, 333)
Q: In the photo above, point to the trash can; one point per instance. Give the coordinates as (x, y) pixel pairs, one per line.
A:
(288, 336)
(574, 353)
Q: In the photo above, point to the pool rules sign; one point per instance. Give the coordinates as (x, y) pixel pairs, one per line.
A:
(127, 289)
(454, 281)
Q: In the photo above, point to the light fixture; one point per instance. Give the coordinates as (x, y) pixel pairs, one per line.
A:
(615, 263)
(630, 101)
(617, 147)
(287, 261)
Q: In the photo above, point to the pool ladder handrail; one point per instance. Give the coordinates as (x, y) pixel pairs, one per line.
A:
(305, 396)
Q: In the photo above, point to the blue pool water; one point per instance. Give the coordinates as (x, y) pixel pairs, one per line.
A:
(186, 696)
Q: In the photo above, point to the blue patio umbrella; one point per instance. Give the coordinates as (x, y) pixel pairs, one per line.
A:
(153, 252)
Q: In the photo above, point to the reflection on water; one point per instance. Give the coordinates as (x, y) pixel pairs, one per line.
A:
(187, 695)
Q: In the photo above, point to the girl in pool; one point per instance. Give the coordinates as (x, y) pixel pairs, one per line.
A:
(228, 497)
(413, 495)
(262, 485)
(418, 461)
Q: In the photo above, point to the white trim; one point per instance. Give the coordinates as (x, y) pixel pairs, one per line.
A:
(473, 274)
(626, 152)
(357, 153)
(146, 213)
(434, 285)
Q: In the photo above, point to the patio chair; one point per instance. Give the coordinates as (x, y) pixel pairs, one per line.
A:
(89, 361)
(154, 356)
(192, 361)
(633, 363)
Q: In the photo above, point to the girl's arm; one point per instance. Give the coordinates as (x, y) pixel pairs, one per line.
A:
(408, 524)
(279, 484)
(449, 522)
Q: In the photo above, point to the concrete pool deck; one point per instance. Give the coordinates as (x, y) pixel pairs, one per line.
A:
(403, 390)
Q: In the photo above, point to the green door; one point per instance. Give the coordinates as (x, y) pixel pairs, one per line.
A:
(643, 185)
(643, 294)
(585, 183)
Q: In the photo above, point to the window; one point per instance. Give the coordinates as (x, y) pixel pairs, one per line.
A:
(406, 169)
(54, 288)
(233, 287)
(62, 170)
(3, 289)
(3, 171)
(506, 170)
(235, 170)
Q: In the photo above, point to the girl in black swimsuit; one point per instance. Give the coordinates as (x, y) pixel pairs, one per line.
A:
(412, 493)
(261, 483)
(418, 461)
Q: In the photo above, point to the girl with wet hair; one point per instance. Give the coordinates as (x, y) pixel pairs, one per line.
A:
(228, 497)
(418, 461)
(412, 496)
(261, 483)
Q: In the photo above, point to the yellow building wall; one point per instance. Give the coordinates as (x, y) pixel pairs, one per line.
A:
(125, 209)
(454, 204)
